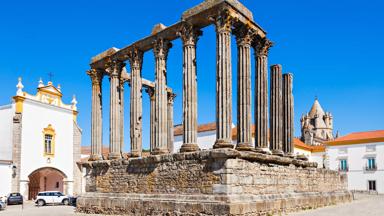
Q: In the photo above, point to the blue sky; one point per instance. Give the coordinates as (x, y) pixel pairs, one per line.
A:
(333, 48)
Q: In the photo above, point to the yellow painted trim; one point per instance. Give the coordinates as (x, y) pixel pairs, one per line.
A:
(353, 142)
(49, 92)
(19, 103)
(49, 131)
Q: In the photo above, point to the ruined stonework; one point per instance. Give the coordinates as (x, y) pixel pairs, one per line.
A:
(215, 182)
(255, 179)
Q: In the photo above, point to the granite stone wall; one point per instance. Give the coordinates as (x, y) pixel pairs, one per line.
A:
(216, 182)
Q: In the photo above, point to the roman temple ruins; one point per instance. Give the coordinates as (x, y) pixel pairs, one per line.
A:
(249, 178)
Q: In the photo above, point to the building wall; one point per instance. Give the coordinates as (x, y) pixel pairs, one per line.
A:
(5, 178)
(356, 156)
(6, 116)
(206, 140)
(36, 117)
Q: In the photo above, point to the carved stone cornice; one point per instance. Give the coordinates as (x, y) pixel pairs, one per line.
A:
(171, 97)
(262, 46)
(244, 35)
(96, 76)
(189, 34)
(161, 48)
(114, 67)
(223, 22)
(135, 57)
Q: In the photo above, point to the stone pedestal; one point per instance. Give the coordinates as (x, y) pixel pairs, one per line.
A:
(215, 182)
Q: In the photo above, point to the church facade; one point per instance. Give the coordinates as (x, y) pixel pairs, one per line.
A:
(40, 143)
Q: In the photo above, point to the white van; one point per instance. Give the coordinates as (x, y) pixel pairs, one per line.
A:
(51, 197)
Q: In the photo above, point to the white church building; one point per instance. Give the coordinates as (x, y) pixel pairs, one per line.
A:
(39, 143)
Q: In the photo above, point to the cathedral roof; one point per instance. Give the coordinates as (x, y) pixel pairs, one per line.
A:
(316, 110)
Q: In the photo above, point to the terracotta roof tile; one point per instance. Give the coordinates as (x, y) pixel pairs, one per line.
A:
(359, 138)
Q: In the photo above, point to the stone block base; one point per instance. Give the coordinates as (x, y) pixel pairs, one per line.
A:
(166, 204)
(214, 182)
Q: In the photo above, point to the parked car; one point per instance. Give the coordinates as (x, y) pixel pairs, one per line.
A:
(51, 197)
(2, 205)
(14, 198)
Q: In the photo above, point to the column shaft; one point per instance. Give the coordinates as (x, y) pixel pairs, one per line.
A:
(136, 128)
(261, 93)
(151, 94)
(161, 49)
(115, 68)
(276, 111)
(96, 121)
(244, 133)
(171, 98)
(121, 96)
(288, 124)
(189, 36)
(223, 82)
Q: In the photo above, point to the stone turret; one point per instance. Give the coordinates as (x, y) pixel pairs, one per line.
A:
(316, 125)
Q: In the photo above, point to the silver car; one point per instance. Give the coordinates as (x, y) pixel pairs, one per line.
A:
(2, 205)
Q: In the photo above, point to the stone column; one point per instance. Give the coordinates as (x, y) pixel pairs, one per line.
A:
(189, 36)
(160, 50)
(151, 93)
(244, 120)
(288, 121)
(96, 124)
(171, 98)
(136, 113)
(261, 47)
(121, 97)
(223, 81)
(276, 111)
(114, 69)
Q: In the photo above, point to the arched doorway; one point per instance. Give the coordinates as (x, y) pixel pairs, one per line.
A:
(45, 179)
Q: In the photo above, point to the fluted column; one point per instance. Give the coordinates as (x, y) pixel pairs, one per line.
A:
(114, 68)
(97, 128)
(136, 112)
(223, 81)
(161, 49)
(276, 111)
(171, 98)
(121, 97)
(288, 122)
(244, 120)
(151, 93)
(189, 36)
(261, 47)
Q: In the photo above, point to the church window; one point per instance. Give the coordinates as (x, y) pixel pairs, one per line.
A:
(372, 185)
(371, 164)
(49, 141)
(343, 165)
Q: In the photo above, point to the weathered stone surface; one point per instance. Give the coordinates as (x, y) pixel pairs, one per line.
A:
(216, 182)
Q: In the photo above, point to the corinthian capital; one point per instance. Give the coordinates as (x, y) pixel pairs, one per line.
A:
(135, 57)
(224, 22)
(244, 35)
(161, 48)
(114, 67)
(262, 46)
(96, 75)
(171, 97)
(189, 35)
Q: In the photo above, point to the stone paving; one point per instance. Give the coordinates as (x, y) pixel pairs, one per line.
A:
(367, 205)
